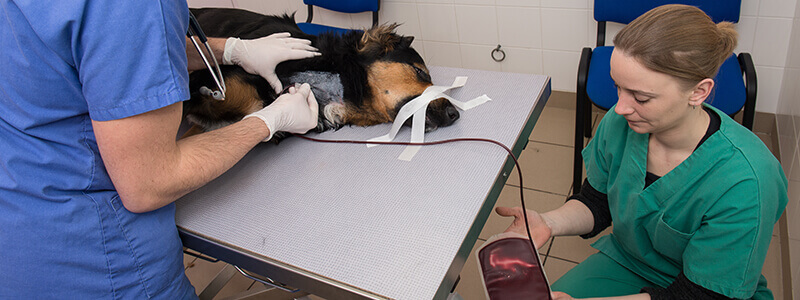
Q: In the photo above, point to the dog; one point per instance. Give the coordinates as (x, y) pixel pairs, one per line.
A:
(362, 78)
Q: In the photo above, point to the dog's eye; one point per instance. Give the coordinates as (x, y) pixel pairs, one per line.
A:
(421, 74)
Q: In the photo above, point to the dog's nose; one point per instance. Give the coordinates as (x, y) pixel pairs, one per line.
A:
(452, 114)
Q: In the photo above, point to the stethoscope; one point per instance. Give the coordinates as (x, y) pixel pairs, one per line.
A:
(216, 73)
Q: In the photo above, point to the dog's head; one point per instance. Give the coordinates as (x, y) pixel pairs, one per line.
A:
(395, 74)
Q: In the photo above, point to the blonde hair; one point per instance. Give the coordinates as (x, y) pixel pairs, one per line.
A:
(678, 40)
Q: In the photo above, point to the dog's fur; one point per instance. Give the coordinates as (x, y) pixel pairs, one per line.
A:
(378, 69)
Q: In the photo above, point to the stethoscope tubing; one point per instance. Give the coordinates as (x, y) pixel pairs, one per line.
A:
(216, 72)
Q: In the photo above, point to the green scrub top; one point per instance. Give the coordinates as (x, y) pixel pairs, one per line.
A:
(710, 217)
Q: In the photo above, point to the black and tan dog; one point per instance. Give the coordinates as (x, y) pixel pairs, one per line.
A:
(362, 77)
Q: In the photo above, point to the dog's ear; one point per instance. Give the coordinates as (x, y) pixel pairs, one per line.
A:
(405, 42)
(379, 39)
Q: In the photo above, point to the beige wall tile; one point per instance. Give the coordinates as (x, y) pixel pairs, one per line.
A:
(476, 24)
(237, 285)
(438, 22)
(442, 54)
(402, 13)
(478, 57)
(780, 8)
(555, 126)
(772, 269)
(522, 60)
(795, 261)
(562, 66)
(188, 260)
(517, 27)
(545, 167)
(566, 29)
(201, 272)
(470, 286)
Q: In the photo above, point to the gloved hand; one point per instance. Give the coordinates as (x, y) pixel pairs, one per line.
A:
(295, 112)
(260, 56)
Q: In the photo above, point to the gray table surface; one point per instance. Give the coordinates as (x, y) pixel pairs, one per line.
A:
(347, 221)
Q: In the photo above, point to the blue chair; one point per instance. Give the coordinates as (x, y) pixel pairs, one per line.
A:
(352, 6)
(595, 85)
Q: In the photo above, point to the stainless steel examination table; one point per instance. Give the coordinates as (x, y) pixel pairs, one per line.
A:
(344, 221)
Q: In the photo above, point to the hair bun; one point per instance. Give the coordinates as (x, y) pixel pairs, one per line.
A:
(728, 36)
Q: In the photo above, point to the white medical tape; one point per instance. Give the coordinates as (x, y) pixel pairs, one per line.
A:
(417, 108)
(405, 112)
(417, 134)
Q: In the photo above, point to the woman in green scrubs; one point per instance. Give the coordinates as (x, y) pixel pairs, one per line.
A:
(692, 194)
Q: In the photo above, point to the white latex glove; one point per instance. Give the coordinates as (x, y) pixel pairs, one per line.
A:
(260, 56)
(295, 112)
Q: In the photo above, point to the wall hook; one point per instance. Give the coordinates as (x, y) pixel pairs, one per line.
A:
(497, 52)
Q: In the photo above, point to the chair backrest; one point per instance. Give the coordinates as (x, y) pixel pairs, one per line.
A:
(609, 10)
(344, 6)
(729, 90)
(351, 6)
(625, 11)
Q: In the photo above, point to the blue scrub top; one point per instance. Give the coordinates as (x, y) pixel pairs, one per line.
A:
(63, 230)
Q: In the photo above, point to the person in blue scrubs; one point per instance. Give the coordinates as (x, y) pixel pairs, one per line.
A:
(692, 194)
(90, 105)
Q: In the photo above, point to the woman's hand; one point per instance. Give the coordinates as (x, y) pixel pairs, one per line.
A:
(540, 230)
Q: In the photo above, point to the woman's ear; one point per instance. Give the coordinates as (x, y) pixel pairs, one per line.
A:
(701, 91)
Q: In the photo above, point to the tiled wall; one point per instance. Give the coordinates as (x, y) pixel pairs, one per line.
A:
(538, 36)
(788, 136)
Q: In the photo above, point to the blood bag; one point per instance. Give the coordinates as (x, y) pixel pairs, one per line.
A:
(511, 269)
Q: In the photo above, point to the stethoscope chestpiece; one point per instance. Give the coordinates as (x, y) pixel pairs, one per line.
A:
(217, 95)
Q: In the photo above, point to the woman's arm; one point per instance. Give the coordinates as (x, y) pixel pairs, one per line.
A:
(572, 218)
(584, 214)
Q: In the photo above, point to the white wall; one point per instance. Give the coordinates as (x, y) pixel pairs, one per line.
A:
(789, 134)
(765, 29)
(538, 36)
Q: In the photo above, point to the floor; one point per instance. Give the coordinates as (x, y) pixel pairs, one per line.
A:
(547, 171)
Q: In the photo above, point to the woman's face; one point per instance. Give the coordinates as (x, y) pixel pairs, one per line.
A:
(650, 101)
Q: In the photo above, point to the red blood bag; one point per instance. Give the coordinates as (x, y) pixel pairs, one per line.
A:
(511, 270)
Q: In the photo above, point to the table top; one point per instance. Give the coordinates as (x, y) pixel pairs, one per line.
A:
(344, 220)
